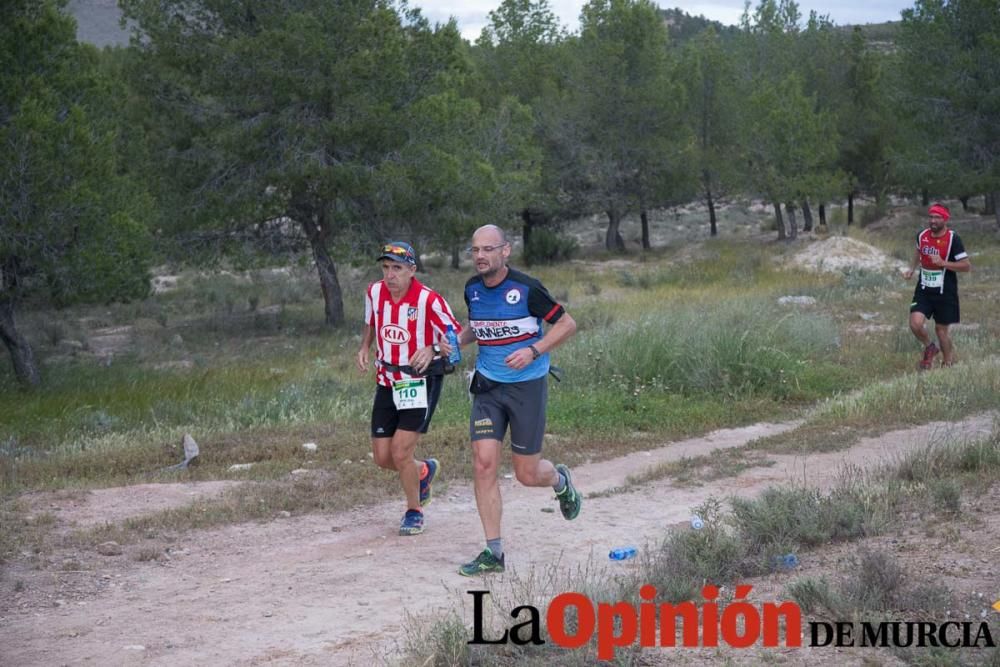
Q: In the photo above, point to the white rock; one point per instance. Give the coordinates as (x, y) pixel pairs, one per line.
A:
(109, 549)
(300, 471)
(797, 300)
(190, 447)
(309, 446)
(240, 466)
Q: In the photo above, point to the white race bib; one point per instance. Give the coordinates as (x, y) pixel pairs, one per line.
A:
(410, 394)
(931, 278)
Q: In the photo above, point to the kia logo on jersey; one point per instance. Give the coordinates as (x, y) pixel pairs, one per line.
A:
(396, 335)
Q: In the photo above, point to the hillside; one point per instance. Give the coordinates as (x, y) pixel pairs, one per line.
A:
(98, 24)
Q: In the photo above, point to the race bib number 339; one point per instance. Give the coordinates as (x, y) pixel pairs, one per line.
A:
(409, 394)
(931, 278)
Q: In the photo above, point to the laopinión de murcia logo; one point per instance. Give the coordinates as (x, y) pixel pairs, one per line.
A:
(573, 620)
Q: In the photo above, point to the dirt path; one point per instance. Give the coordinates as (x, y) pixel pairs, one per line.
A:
(336, 589)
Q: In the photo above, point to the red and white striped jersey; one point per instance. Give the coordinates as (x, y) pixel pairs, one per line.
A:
(419, 319)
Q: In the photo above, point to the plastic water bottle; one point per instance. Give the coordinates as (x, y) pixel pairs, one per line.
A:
(696, 522)
(788, 561)
(456, 352)
(622, 553)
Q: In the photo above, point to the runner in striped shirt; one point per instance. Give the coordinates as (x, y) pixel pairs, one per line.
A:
(407, 321)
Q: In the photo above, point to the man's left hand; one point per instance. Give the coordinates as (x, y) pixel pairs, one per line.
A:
(422, 358)
(519, 358)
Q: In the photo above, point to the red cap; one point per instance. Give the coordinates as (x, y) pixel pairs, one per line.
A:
(939, 210)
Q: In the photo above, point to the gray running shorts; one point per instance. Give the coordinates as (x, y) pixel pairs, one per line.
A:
(521, 405)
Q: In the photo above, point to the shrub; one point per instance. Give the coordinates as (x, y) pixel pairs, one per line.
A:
(547, 246)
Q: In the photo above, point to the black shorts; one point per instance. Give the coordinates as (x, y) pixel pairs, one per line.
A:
(518, 404)
(386, 418)
(942, 308)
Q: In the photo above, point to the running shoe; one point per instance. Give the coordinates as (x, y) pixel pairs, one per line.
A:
(412, 523)
(426, 493)
(485, 563)
(569, 499)
(929, 353)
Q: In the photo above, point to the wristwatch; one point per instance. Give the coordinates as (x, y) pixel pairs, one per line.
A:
(436, 348)
(534, 352)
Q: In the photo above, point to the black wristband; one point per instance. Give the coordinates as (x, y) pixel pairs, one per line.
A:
(534, 352)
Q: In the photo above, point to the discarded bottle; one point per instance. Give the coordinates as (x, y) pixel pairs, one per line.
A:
(455, 355)
(696, 522)
(623, 553)
(788, 561)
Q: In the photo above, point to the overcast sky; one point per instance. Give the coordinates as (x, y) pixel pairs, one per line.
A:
(471, 14)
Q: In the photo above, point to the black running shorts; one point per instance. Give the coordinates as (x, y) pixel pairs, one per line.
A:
(521, 405)
(386, 418)
(942, 308)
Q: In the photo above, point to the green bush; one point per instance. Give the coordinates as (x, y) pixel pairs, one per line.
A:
(736, 348)
(547, 247)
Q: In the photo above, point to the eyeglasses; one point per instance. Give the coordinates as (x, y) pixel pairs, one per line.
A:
(475, 250)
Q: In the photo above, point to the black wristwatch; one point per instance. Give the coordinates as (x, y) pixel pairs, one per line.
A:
(534, 352)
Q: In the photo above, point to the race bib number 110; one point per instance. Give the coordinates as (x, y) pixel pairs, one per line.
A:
(409, 394)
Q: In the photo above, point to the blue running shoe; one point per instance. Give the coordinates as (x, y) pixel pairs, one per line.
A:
(425, 484)
(412, 523)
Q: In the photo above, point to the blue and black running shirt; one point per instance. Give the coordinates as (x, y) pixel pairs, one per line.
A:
(506, 318)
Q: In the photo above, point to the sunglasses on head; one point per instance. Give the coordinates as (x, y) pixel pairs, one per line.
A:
(395, 250)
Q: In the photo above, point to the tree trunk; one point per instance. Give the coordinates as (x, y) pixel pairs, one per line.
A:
(779, 221)
(317, 232)
(925, 197)
(714, 230)
(454, 256)
(21, 356)
(793, 225)
(994, 197)
(613, 239)
(532, 220)
(850, 208)
(965, 203)
(644, 217)
(529, 224)
(822, 214)
(881, 203)
(990, 203)
(807, 216)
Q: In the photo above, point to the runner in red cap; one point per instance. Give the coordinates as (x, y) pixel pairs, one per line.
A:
(939, 255)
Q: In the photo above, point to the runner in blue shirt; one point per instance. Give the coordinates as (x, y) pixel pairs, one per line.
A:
(506, 311)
